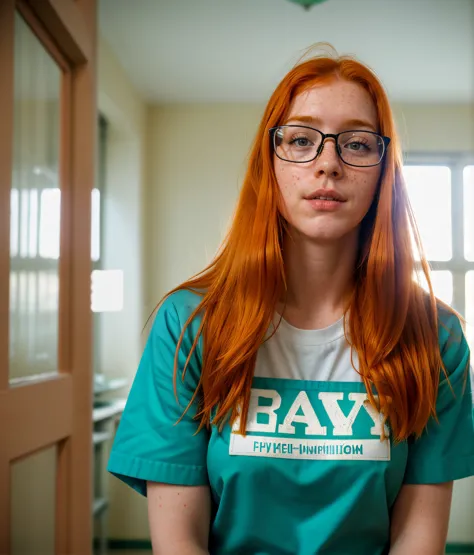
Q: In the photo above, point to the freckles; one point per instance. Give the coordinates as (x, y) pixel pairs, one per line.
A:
(289, 181)
(295, 175)
(353, 179)
(292, 184)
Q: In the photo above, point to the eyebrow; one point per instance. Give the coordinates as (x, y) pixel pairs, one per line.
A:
(351, 123)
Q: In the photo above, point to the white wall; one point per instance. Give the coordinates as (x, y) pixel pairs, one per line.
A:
(436, 127)
(119, 333)
(196, 164)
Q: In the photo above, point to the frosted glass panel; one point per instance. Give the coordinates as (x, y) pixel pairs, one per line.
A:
(429, 190)
(468, 176)
(33, 493)
(35, 209)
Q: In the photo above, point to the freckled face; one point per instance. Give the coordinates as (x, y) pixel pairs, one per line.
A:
(332, 107)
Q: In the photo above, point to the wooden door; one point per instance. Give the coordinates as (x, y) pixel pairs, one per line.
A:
(47, 149)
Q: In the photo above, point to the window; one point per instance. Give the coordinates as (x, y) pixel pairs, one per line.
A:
(429, 189)
(40, 210)
(441, 192)
(35, 220)
(468, 178)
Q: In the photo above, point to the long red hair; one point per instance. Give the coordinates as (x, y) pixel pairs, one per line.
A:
(392, 322)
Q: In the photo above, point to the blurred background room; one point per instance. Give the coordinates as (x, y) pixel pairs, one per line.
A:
(179, 90)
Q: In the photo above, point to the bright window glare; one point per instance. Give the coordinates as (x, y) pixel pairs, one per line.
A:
(95, 217)
(442, 282)
(33, 224)
(50, 213)
(468, 178)
(107, 291)
(470, 309)
(14, 221)
(429, 191)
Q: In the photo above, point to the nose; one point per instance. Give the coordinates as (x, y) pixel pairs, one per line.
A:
(328, 162)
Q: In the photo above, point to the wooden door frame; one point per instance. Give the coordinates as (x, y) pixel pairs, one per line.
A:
(56, 409)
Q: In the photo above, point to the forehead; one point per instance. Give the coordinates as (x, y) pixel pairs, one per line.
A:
(334, 103)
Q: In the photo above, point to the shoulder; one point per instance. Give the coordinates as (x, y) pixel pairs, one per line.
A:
(452, 341)
(172, 317)
(181, 304)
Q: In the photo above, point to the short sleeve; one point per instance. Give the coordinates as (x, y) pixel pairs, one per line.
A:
(445, 451)
(150, 443)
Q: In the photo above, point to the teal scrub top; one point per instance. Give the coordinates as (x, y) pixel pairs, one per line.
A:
(312, 474)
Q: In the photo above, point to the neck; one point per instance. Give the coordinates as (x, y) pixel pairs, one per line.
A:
(319, 279)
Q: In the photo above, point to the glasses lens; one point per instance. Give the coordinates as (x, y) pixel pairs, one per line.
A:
(296, 144)
(361, 148)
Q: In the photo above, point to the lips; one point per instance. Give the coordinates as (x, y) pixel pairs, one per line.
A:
(325, 198)
(325, 194)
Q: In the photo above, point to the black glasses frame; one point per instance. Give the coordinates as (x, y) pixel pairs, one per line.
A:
(335, 136)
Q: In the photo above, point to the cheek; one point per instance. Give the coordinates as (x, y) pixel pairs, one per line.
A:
(287, 179)
(364, 187)
(289, 185)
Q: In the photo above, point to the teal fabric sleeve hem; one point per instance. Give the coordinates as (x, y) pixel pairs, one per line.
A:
(445, 470)
(135, 472)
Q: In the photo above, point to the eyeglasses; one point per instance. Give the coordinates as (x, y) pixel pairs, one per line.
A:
(301, 144)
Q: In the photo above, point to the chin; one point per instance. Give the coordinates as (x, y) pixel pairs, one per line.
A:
(323, 234)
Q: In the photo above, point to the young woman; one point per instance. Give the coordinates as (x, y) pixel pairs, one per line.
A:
(303, 394)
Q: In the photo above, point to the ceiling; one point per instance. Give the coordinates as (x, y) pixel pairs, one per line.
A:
(238, 50)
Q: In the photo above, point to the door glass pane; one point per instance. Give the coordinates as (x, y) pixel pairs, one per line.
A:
(35, 209)
(469, 212)
(95, 223)
(470, 310)
(33, 493)
(442, 282)
(429, 190)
